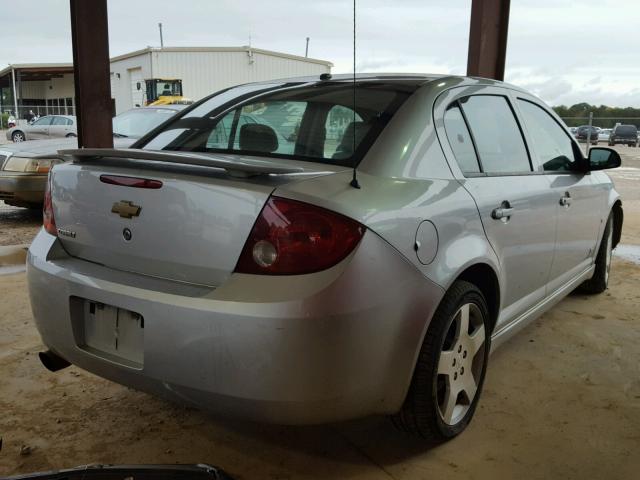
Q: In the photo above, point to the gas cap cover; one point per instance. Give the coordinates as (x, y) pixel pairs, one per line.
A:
(426, 245)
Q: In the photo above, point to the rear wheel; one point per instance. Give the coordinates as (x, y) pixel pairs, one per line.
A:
(17, 136)
(70, 135)
(450, 370)
(600, 280)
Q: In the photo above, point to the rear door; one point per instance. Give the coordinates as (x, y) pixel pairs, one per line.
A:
(517, 212)
(577, 202)
(39, 129)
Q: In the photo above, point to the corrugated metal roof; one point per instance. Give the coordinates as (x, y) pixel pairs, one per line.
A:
(35, 66)
(222, 49)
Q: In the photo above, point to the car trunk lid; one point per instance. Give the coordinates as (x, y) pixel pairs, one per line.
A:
(190, 229)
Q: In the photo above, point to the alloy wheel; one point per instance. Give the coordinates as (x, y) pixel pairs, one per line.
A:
(18, 137)
(460, 365)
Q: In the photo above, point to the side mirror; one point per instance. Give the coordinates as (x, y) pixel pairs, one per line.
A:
(601, 158)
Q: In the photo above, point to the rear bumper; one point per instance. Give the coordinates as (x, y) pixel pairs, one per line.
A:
(305, 349)
(22, 188)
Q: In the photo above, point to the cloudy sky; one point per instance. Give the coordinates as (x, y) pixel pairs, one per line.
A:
(566, 51)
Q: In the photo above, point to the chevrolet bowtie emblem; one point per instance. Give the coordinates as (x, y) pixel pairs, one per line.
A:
(126, 209)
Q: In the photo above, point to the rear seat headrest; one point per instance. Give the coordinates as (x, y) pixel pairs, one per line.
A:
(255, 137)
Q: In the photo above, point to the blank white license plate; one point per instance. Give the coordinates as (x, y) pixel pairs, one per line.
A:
(114, 333)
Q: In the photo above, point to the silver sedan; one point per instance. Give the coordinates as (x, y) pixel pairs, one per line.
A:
(50, 126)
(360, 249)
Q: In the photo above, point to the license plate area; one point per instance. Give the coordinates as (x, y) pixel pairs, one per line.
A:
(113, 333)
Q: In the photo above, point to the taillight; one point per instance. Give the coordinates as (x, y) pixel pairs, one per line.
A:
(48, 221)
(293, 238)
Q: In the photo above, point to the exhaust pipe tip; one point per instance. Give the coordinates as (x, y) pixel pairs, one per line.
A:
(52, 361)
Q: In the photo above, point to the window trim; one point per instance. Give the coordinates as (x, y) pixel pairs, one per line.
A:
(483, 173)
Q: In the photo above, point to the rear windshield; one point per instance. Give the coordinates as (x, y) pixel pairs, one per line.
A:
(316, 122)
(626, 130)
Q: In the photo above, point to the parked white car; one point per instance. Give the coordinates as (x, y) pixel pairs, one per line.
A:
(604, 134)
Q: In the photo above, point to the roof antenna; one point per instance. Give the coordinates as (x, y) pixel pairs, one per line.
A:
(354, 180)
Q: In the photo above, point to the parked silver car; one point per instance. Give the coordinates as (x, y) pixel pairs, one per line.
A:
(51, 126)
(370, 271)
(24, 166)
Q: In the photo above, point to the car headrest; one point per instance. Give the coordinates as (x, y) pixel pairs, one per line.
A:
(255, 137)
(345, 148)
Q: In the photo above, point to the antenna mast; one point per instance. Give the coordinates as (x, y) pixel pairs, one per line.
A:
(354, 180)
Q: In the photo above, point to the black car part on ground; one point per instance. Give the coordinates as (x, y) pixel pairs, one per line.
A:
(134, 472)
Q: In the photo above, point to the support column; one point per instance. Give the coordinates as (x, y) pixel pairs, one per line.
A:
(488, 38)
(15, 93)
(90, 37)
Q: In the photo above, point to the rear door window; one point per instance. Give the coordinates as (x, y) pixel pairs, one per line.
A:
(497, 135)
(554, 148)
(61, 121)
(460, 140)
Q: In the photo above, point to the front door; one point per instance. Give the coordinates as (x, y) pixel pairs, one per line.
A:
(577, 202)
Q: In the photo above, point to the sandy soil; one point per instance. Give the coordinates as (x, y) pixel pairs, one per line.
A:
(562, 400)
(18, 225)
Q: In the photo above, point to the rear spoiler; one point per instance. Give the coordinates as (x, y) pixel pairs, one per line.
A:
(242, 167)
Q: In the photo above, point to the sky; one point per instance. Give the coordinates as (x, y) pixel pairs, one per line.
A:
(565, 51)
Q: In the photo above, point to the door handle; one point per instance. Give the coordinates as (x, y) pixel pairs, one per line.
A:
(503, 212)
(566, 200)
(499, 213)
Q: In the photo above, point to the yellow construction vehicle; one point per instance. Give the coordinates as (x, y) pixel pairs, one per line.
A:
(163, 91)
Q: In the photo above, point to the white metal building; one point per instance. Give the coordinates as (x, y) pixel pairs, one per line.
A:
(49, 88)
(42, 87)
(203, 70)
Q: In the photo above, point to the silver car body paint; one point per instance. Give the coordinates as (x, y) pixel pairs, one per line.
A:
(336, 344)
(38, 130)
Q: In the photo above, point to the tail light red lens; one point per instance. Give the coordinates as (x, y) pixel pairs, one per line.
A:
(48, 221)
(294, 238)
(131, 181)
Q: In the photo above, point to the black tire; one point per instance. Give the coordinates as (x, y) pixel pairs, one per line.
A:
(18, 136)
(420, 414)
(600, 280)
(70, 135)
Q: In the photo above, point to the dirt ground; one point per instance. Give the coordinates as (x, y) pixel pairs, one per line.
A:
(561, 400)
